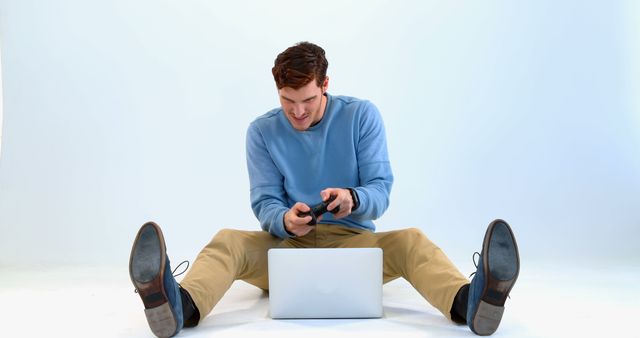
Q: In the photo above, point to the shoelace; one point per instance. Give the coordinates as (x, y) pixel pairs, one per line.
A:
(476, 265)
(174, 271)
(473, 258)
(183, 271)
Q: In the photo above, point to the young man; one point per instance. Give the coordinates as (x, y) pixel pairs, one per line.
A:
(314, 147)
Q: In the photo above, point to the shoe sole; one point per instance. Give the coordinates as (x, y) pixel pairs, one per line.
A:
(501, 262)
(146, 269)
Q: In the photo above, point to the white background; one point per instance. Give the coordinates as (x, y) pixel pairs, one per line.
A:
(119, 112)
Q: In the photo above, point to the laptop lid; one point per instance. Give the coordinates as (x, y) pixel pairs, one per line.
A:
(325, 283)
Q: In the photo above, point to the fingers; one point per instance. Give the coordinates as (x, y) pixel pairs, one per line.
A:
(302, 212)
(326, 193)
(343, 199)
(293, 221)
(345, 210)
(299, 209)
(297, 223)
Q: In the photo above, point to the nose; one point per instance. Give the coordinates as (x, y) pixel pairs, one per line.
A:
(297, 110)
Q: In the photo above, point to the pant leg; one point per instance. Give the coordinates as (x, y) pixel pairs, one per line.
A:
(336, 236)
(410, 254)
(258, 272)
(235, 254)
(231, 255)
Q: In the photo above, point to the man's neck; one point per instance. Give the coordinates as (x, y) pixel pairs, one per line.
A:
(323, 107)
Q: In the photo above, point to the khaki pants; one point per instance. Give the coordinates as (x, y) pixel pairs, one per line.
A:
(408, 253)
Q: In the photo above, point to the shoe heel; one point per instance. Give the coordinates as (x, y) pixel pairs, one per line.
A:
(162, 320)
(487, 318)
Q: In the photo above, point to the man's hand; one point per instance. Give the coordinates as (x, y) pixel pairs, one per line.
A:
(343, 199)
(295, 224)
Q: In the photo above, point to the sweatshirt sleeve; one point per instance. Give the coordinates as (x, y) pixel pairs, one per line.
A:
(268, 198)
(374, 168)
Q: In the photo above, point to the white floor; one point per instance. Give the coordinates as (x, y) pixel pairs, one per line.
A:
(100, 302)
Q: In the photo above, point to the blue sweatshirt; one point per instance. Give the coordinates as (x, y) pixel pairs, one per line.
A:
(346, 149)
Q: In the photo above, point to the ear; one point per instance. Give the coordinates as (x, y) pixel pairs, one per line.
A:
(325, 84)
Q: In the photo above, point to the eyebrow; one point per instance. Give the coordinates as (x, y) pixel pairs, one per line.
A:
(305, 100)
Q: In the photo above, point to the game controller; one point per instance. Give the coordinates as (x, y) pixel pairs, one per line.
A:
(320, 209)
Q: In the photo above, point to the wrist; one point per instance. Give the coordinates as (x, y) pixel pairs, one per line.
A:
(284, 225)
(289, 232)
(354, 199)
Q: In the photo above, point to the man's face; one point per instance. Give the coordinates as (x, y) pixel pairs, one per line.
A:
(304, 107)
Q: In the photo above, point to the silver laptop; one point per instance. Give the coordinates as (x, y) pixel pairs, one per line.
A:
(325, 283)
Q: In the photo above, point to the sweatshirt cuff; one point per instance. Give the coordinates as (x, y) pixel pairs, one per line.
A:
(363, 199)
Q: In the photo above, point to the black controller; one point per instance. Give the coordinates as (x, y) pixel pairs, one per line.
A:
(320, 209)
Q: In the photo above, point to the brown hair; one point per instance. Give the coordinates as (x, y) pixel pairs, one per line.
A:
(299, 64)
